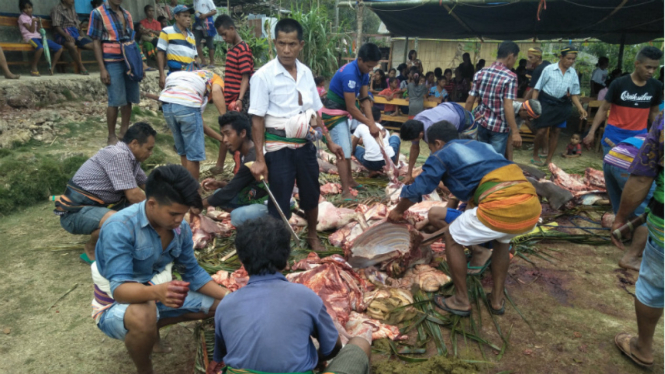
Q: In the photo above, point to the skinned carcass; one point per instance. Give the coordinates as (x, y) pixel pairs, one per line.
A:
(331, 217)
(556, 195)
(232, 281)
(425, 276)
(595, 179)
(343, 237)
(359, 324)
(327, 167)
(331, 189)
(203, 230)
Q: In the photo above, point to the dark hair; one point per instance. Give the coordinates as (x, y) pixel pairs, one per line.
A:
(369, 52)
(263, 245)
(224, 21)
(466, 54)
(440, 78)
(140, 131)
(96, 3)
(23, 4)
(173, 184)
(651, 53)
(238, 121)
(438, 72)
(319, 79)
(392, 79)
(411, 129)
(381, 73)
(579, 135)
(391, 69)
(522, 62)
(161, 18)
(602, 60)
(145, 8)
(428, 74)
(448, 71)
(376, 114)
(506, 49)
(442, 130)
(288, 25)
(401, 67)
(411, 53)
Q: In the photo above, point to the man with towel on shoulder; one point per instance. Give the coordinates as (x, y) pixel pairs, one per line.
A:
(502, 204)
(283, 104)
(557, 86)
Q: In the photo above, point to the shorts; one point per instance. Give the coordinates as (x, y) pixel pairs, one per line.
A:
(199, 35)
(83, 222)
(74, 33)
(615, 181)
(186, 124)
(498, 140)
(112, 321)
(350, 360)
(649, 286)
(341, 135)
(36, 43)
(468, 230)
(122, 91)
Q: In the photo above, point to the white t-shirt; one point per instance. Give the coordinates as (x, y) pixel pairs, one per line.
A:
(599, 76)
(372, 150)
(203, 7)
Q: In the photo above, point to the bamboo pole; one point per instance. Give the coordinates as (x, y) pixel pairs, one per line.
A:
(359, 31)
(406, 48)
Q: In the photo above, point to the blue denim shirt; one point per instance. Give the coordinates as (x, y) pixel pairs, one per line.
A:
(460, 165)
(130, 250)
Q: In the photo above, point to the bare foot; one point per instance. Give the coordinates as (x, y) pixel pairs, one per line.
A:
(479, 258)
(12, 76)
(112, 140)
(630, 262)
(315, 243)
(89, 249)
(348, 195)
(161, 347)
(374, 174)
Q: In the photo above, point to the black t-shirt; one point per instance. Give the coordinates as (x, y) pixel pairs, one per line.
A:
(537, 72)
(467, 71)
(631, 104)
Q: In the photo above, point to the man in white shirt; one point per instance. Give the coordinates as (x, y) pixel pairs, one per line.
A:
(204, 29)
(370, 155)
(283, 103)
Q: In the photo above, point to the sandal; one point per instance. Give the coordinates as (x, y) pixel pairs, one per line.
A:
(538, 163)
(622, 341)
(481, 269)
(150, 69)
(84, 257)
(497, 312)
(359, 187)
(84, 72)
(440, 301)
(35, 74)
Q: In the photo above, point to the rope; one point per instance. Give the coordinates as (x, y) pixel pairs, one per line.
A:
(608, 7)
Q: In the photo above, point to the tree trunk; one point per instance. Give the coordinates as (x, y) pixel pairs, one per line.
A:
(336, 15)
(359, 31)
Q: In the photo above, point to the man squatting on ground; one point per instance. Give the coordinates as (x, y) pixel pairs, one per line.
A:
(369, 155)
(109, 181)
(134, 294)
(283, 103)
(501, 205)
(284, 321)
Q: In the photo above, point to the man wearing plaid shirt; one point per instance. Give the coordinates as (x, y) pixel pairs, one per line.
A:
(109, 181)
(495, 88)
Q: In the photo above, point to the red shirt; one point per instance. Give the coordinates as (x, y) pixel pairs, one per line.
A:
(239, 61)
(154, 25)
(574, 149)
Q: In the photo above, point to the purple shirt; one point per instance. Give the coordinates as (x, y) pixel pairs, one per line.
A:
(649, 160)
(622, 154)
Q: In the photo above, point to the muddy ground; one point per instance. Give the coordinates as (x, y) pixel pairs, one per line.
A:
(576, 304)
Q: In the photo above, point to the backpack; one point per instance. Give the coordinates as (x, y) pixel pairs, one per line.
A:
(133, 59)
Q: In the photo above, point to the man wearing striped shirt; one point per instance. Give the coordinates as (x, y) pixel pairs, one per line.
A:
(176, 46)
(239, 65)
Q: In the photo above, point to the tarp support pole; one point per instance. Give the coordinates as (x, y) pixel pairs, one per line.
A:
(359, 31)
(621, 47)
(406, 48)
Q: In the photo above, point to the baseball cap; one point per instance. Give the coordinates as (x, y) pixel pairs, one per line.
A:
(182, 8)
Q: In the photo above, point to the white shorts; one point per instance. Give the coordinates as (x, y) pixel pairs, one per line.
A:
(468, 230)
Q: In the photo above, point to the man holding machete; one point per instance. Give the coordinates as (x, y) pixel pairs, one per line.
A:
(283, 102)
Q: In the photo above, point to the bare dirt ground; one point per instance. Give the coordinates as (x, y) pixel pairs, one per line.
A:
(576, 304)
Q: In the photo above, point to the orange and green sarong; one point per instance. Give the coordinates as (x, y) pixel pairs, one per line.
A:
(337, 113)
(507, 202)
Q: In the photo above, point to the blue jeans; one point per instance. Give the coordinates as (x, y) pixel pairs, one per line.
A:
(186, 124)
(498, 140)
(378, 165)
(246, 213)
(615, 180)
(85, 221)
(122, 90)
(649, 285)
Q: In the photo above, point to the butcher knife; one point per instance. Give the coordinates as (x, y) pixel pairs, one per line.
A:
(274, 201)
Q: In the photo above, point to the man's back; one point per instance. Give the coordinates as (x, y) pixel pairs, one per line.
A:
(266, 326)
(492, 85)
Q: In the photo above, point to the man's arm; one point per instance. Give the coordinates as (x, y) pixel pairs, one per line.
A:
(244, 85)
(335, 351)
(634, 192)
(468, 105)
(578, 105)
(103, 73)
(213, 290)
(350, 100)
(62, 32)
(414, 152)
(259, 168)
(218, 99)
(354, 144)
(161, 57)
(600, 117)
(241, 180)
(135, 195)
(535, 93)
(510, 118)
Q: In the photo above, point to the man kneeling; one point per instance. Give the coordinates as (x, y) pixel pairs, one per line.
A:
(502, 205)
(134, 293)
(268, 325)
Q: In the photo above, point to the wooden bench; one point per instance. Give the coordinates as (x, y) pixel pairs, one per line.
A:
(26, 47)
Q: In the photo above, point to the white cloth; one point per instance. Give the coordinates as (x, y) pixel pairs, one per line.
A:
(203, 7)
(372, 150)
(185, 88)
(274, 92)
(557, 84)
(468, 230)
(295, 127)
(599, 76)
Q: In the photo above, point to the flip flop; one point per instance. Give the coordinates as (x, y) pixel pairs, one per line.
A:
(497, 312)
(537, 163)
(442, 305)
(150, 69)
(622, 341)
(84, 72)
(35, 74)
(360, 187)
(350, 200)
(84, 257)
(481, 269)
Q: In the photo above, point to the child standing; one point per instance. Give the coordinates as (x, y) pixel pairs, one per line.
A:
(29, 27)
(574, 149)
(389, 94)
(439, 92)
(321, 86)
(417, 92)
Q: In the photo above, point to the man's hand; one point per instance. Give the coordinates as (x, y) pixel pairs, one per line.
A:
(336, 150)
(408, 180)
(214, 367)
(69, 39)
(373, 129)
(239, 105)
(395, 215)
(583, 114)
(173, 293)
(162, 81)
(259, 170)
(105, 77)
(210, 184)
(194, 211)
(517, 140)
(588, 140)
(617, 224)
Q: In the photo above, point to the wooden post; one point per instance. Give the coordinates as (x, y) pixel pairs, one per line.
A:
(621, 47)
(390, 56)
(336, 15)
(228, 6)
(359, 27)
(406, 48)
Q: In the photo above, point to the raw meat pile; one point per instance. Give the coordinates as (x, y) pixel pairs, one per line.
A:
(204, 228)
(232, 281)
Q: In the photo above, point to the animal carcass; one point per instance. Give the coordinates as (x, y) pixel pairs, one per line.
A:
(425, 276)
(327, 167)
(331, 217)
(232, 281)
(359, 324)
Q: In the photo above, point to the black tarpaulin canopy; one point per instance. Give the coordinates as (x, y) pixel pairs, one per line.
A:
(608, 20)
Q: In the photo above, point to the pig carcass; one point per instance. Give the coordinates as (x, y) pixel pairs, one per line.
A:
(425, 276)
(571, 182)
(331, 189)
(331, 217)
(556, 196)
(359, 324)
(595, 179)
(347, 234)
(232, 281)
(203, 230)
(327, 167)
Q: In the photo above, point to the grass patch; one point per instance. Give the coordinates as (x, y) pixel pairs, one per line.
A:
(4, 152)
(158, 157)
(68, 94)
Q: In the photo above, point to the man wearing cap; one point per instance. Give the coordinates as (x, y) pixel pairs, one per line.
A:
(556, 87)
(177, 46)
